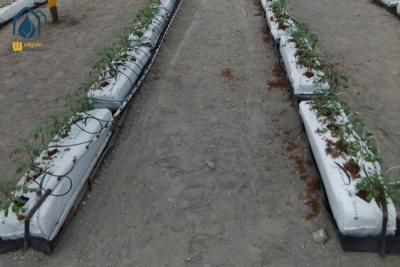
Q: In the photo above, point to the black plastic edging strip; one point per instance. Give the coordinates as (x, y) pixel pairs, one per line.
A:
(384, 223)
(30, 214)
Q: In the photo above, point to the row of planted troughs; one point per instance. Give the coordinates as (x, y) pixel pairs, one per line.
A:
(10, 8)
(359, 195)
(58, 163)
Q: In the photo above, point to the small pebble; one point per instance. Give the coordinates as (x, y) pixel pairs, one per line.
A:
(319, 236)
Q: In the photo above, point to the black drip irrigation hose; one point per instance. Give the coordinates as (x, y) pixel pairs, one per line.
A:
(159, 13)
(156, 22)
(125, 64)
(136, 64)
(60, 177)
(345, 172)
(83, 130)
(123, 74)
(137, 59)
(71, 145)
(94, 117)
(93, 133)
(164, 8)
(119, 117)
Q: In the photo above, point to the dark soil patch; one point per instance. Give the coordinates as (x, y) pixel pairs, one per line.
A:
(301, 167)
(335, 149)
(227, 73)
(286, 132)
(264, 30)
(353, 168)
(282, 26)
(291, 146)
(313, 197)
(276, 83)
(258, 5)
(333, 128)
(363, 195)
(279, 81)
(375, 3)
(309, 74)
(311, 192)
(104, 84)
(278, 71)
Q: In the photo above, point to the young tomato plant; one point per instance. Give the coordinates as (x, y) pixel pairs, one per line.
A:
(280, 10)
(307, 44)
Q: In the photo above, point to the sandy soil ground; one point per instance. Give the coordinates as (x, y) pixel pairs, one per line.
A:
(211, 167)
(363, 40)
(31, 81)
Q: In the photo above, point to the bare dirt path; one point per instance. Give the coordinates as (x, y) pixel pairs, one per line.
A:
(31, 81)
(211, 168)
(363, 39)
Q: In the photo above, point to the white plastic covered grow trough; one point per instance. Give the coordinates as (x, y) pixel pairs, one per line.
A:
(354, 216)
(9, 11)
(116, 89)
(66, 173)
(301, 84)
(153, 32)
(273, 26)
(390, 3)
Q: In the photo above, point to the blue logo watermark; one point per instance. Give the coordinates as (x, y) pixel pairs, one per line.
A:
(28, 29)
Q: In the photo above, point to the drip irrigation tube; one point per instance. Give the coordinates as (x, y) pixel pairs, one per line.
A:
(119, 116)
(382, 244)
